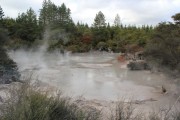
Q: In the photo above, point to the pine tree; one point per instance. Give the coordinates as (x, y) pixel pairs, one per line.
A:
(1, 16)
(176, 18)
(27, 28)
(117, 21)
(1, 13)
(55, 16)
(99, 20)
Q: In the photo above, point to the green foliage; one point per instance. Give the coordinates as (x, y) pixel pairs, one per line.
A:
(117, 21)
(56, 23)
(27, 28)
(27, 102)
(21, 44)
(73, 48)
(55, 16)
(99, 20)
(3, 37)
(102, 46)
(10, 25)
(56, 45)
(1, 14)
(100, 35)
(8, 68)
(164, 45)
(114, 46)
(84, 47)
(176, 18)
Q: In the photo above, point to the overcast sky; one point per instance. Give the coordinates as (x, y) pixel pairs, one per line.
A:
(130, 11)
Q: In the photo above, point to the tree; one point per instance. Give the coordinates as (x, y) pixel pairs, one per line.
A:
(1, 13)
(176, 18)
(27, 27)
(8, 68)
(48, 13)
(55, 16)
(43, 12)
(1, 16)
(10, 25)
(64, 20)
(99, 20)
(2, 31)
(164, 46)
(100, 32)
(117, 21)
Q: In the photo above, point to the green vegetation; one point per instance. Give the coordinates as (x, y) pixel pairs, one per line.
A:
(55, 25)
(164, 45)
(28, 102)
(8, 68)
(26, 29)
(161, 44)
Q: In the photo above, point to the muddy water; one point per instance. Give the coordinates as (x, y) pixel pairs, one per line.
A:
(94, 76)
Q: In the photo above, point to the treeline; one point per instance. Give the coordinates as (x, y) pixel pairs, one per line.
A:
(63, 33)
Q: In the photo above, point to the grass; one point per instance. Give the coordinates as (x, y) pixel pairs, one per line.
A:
(125, 111)
(28, 102)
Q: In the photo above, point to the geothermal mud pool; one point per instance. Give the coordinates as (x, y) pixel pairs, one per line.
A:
(96, 76)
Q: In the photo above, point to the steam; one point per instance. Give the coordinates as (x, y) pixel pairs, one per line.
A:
(46, 37)
(52, 37)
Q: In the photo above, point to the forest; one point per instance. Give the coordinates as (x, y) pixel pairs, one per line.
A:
(27, 28)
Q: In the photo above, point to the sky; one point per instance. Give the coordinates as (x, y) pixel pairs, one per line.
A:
(133, 12)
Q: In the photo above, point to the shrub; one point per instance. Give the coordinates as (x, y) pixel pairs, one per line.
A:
(113, 45)
(73, 48)
(84, 48)
(125, 111)
(28, 102)
(163, 47)
(102, 46)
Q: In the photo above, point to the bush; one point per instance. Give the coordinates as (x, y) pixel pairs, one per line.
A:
(73, 48)
(138, 65)
(17, 43)
(102, 46)
(28, 102)
(84, 48)
(8, 68)
(113, 45)
(127, 111)
(164, 46)
(55, 46)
